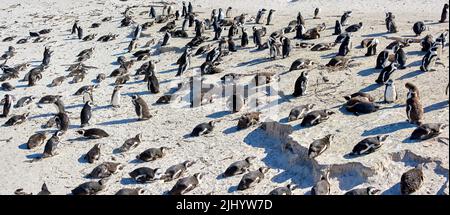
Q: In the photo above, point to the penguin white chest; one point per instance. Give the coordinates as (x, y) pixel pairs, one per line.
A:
(390, 95)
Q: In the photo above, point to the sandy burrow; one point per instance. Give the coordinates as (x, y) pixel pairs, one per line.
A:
(215, 152)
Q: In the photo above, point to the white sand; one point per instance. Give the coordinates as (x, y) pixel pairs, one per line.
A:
(225, 145)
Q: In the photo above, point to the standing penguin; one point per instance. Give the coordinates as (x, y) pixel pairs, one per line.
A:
(231, 45)
(299, 29)
(382, 59)
(86, 114)
(184, 63)
(152, 13)
(400, 57)
(301, 85)
(337, 28)
(386, 73)
(190, 8)
(47, 56)
(166, 39)
(137, 32)
(74, 27)
(286, 48)
(345, 47)
(153, 83)
(300, 19)
(390, 92)
(52, 145)
(418, 28)
(390, 23)
(317, 147)
(257, 37)
(316, 13)
(322, 187)
(270, 16)
(132, 45)
(444, 13)
(115, 98)
(63, 121)
(412, 180)
(59, 105)
(244, 38)
(7, 106)
(344, 17)
(141, 108)
(372, 47)
(414, 110)
(429, 60)
(80, 32)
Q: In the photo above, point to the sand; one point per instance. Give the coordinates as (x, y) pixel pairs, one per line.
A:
(172, 123)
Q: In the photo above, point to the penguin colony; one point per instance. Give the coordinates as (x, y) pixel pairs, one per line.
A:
(215, 38)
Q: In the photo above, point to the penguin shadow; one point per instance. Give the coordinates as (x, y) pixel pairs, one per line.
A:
(344, 111)
(34, 156)
(169, 71)
(142, 93)
(409, 141)
(254, 62)
(128, 181)
(41, 116)
(78, 139)
(120, 53)
(371, 87)
(231, 130)
(285, 176)
(350, 156)
(389, 128)
(327, 56)
(367, 72)
(394, 190)
(82, 159)
(376, 34)
(136, 161)
(437, 106)
(393, 107)
(23, 146)
(219, 114)
(118, 122)
(415, 63)
(411, 75)
(74, 106)
(22, 86)
(133, 82)
(299, 126)
(285, 120)
(101, 107)
(233, 189)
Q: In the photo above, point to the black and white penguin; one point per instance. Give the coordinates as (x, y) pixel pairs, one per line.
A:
(86, 114)
(184, 62)
(130, 144)
(301, 85)
(137, 32)
(145, 174)
(280, 191)
(132, 46)
(345, 46)
(152, 12)
(418, 28)
(166, 39)
(427, 43)
(93, 154)
(7, 106)
(153, 83)
(59, 106)
(90, 188)
(316, 13)
(390, 92)
(344, 17)
(299, 112)
(429, 60)
(300, 19)
(115, 98)
(80, 32)
(244, 38)
(63, 121)
(231, 45)
(369, 145)
(270, 16)
(412, 180)
(391, 26)
(372, 47)
(300, 64)
(238, 167)
(354, 28)
(428, 131)
(187, 184)
(386, 73)
(319, 146)
(51, 146)
(17, 119)
(74, 27)
(141, 108)
(203, 129)
(93, 133)
(382, 59)
(337, 28)
(105, 170)
(286, 47)
(47, 56)
(257, 38)
(323, 186)
(44, 190)
(152, 154)
(251, 179)
(369, 191)
(130, 191)
(299, 32)
(36, 140)
(176, 171)
(444, 13)
(362, 108)
(400, 57)
(316, 117)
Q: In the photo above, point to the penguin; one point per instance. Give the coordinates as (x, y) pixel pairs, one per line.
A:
(130, 144)
(382, 59)
(345, 46)
(244, 38)
(80, 32)
(251, 179)
(36, 140)
(280, 191)
(184, 11)
(400, 57)
(152, 154)
(238, 167)
(86, 114)
(444, 14)
(145, 175)
(17, 119)
(323, 46)
(412, 180)
(299, 112)
(104, 170)
(323, 186)
(88, 97)
(319, 146)
(231, 45)
(190, 8)
(141, 108)
(166, 39)
(257, 38)
(414, 110)
(248, 120)
(390, 23)
(428, 131)
(260, 16)
(152, 13)
(316, 13)
(316, 117)
(93, 154)
(300, 19)
(131, 191)
(59, 105)
(418, 28)
(429, 60)
(137, 32)
(93, 133)
(300, 64)
(270, 16)
(115, 98)
(372, 47)
(90, 188)
(427, 43)
(187, 184)
(58, 81)
(228, 12)
(7, 106)
(132, 46)
(203, 129)
(354, 28)
(74, 27)
(153, 83)
(176, 171)
(301, 85)
(344, 17)
(286, 48)
(369, 191)
(369, 145)
(337, 28)
(390, 92)
(362, 108)
(47, 55)
(412, 89)
(184, 62)
(299, 29)
(44, 190)
(386, 73)
(177, 15)
(51, 146)
(34, 76)
(63, 121)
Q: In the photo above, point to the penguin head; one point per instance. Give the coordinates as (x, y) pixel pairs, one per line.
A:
(81, 131)
(199, 176)
(25, 115)
(59, 134)
(188, 163)
(330, 112)
(291, 187)
(263, 170)
(373, 191)
(134, 97)
(250, 159)
(164, 149)
(310, 106)
(383, 138)
(390, 82)
(139, 136)
(158, 173)
(330, 137)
